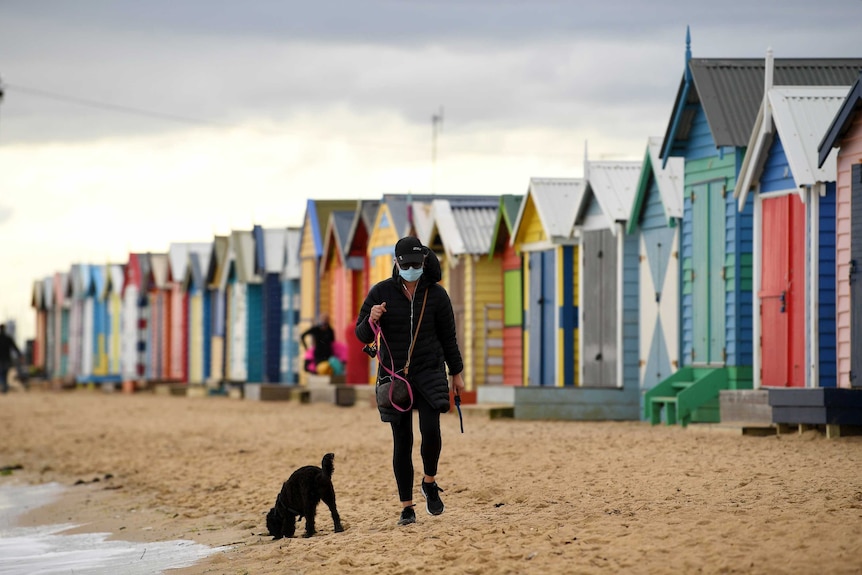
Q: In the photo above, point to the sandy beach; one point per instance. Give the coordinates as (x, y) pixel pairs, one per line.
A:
(521, 496)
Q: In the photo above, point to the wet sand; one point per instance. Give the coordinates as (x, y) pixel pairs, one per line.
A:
(521, 496)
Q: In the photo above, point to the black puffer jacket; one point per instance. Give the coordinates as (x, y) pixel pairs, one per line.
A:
(435, 344)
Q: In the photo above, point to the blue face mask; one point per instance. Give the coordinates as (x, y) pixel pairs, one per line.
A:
(410, 274)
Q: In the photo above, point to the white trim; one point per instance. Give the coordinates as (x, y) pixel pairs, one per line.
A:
(620, 237)
(580, 366)
(755, 288)
(812, 264)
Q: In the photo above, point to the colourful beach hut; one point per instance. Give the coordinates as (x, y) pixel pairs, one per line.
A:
(38, 303)
(341, 272)
(710, 125)
(158, 325)
(511, 278)
(314, 295)
(113, 295)
(845, 133)
(198, 312)
(656, 214)
(242, 295)
(218, 306)
(270, 244)
(291, 358)
(543, 234)
(465, 228)
(81, 293)
(60, 321)
(794, 215)
(608, 276)
(136, 316)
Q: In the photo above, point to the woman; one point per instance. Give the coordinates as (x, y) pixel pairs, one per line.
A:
(396, 306)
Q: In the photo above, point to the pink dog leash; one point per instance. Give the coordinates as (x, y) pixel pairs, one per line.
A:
(378, 334)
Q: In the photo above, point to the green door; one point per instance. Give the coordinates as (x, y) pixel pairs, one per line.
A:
(708, 294)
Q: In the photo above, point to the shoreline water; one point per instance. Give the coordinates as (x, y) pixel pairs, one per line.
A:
(63, 548)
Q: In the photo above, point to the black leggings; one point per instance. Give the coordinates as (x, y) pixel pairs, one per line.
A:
(402, 440)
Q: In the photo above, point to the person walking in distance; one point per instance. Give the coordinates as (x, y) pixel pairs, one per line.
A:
(414, 316)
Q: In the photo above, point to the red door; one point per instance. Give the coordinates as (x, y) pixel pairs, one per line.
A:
(782, 295)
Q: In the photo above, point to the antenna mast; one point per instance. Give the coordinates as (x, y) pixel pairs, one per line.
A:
(436, 128)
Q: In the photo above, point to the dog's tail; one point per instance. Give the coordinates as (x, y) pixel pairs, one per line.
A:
(326, 465)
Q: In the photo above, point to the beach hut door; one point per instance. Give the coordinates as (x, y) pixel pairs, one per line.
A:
(707, 281)
(600, 308)
(782, 293)
(541, 319)
(856, 277)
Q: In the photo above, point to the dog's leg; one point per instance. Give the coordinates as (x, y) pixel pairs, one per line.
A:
(328, 497)
(310, 511)
(289, 526)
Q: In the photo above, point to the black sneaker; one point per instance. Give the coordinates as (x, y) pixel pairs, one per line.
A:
(433, 504)
(408, 516)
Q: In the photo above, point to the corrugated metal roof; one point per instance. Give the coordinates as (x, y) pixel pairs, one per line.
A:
(842, 121)
(557, 201)
(731, 90)
(475, 223)
(800, 115)
(614, 184)
(670, 179)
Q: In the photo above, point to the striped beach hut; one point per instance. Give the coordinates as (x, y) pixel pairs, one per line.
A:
(113, 297)
(158, 324)
(794, 236)
(656, 214)
(710, 126)
(511, 278)
(608, 276)
(845, 133)
(291, 358)
(198, 307)
(543, 234)
(218, 307)
(465, 228)
(133, 353)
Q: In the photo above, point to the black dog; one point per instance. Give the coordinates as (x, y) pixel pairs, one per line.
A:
(299, 496)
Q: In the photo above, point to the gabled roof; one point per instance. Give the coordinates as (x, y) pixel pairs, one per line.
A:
(273, 242)
(80, 280)
(731, 90)
(613, 185)
(115, 279)
(98, 281)
(317, 216)
(197, 265)
(49, 291)
(37, 299)
(556, 201)
(507, 211)
(240, 254)
(799, 115)
(218, 259)
(158, 270)
(136, 272)
(842, 122)
(669, 180)
(61, 281)
(178, 256)
(465, 226)
(335, 242)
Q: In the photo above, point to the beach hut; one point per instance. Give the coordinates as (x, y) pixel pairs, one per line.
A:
(270, 246)
(845, 133)
(81, 337)
(511, 280)
(656, 214)
(198, 312)
(341, 272)
(60, 322)
(113, 301)
(608, 276)
(133, 354)
(794, 236)
(291, 358)
(710, 125)
(101, 325)
(243, 290)
(314, 295)
(218, 306)
(543, 234)
(158, 325)
(465, 228)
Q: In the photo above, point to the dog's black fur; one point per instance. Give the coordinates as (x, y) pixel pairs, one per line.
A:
(299, 496)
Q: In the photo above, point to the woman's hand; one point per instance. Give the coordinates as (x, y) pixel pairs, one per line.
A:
(458, 383)
(377, 311)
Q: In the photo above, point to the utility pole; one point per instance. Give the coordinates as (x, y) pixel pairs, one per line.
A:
(436, 128)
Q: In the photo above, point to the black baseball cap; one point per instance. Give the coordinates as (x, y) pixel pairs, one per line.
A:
(409, 250)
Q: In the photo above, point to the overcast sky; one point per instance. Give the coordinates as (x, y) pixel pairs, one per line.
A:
(128, 125)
